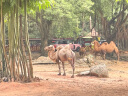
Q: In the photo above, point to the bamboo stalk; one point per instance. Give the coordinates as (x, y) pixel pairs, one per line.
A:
(27, 40)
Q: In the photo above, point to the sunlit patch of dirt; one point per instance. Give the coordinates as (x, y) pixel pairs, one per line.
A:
(53, 85)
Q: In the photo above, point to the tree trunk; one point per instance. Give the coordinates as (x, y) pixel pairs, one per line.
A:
(5, 60)
(30, 69)
(44, 31)
(23, 54)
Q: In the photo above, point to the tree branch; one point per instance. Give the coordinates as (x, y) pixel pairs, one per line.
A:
(117, 15)
(33, 19)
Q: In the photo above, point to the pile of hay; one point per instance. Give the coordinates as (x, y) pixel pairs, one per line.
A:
(43, 59)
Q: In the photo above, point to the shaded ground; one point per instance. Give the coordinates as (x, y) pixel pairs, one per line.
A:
(53, 85)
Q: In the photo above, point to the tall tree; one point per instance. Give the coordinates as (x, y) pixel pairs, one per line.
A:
(16, 65)
(112, 17)
(61, 20)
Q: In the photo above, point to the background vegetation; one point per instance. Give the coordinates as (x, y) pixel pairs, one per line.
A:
(47, 19)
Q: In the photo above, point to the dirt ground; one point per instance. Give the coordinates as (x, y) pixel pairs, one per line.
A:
(53, 85)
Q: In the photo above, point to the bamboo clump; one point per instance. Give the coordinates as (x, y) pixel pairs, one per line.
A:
(14, 63)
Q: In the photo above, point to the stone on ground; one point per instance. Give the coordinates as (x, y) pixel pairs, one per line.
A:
(99, 70)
